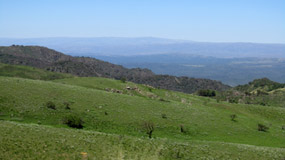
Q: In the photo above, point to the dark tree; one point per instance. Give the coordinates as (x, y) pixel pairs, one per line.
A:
(149, 128)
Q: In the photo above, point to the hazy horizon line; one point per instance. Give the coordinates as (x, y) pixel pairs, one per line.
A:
(134, 37)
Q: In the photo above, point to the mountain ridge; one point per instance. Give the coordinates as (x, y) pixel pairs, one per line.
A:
(51, 60)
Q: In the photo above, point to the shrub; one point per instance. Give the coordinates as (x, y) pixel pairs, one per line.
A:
(163, 100)
(262, 127)
(149, 128)
(164, 116)
(218, 100)
(259, 93)
(233, 117)
(206, 101)
(67, 105)
(74, 121)
(50, 105)
(233, 100)
(283, 127)
(207, 93)
(123, 80)
(247, 93)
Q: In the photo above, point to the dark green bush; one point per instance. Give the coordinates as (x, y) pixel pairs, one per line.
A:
(207, 93)
(262, 127)
(218, 100)
(233, 117)
(74, 121)
(67, 105)
(163, 100)
(50, 105)
(233, 100)
(164, 116)
(123, 80)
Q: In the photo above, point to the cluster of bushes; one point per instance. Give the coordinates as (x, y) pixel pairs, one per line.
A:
(207, 93)
(71, 120)
(74, 121)
(51, 105)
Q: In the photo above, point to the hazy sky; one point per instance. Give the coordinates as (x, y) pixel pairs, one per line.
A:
(198, 20)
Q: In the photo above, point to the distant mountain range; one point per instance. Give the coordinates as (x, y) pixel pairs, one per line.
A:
(230, 63)
(231, 71)
(148, 46)
(51, 60)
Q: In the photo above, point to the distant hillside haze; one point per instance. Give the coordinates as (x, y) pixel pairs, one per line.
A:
(231, 71)
(51, 60)
(149, 45)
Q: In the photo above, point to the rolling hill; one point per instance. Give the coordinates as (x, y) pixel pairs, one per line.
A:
(113, 115)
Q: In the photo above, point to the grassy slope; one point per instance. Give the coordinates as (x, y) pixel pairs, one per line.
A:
(30, 141)
(30, 72)
(23, 100)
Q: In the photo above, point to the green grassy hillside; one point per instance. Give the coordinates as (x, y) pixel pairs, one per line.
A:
(30, 72)
(121, 109)
(31, 141)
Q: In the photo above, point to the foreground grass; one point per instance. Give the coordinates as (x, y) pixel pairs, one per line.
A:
(30, 141)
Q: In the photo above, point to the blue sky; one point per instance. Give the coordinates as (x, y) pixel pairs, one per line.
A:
(199, 20)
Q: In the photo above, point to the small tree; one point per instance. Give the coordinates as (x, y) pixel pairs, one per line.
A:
(149, 128)
(262, 127)
(182, 129)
